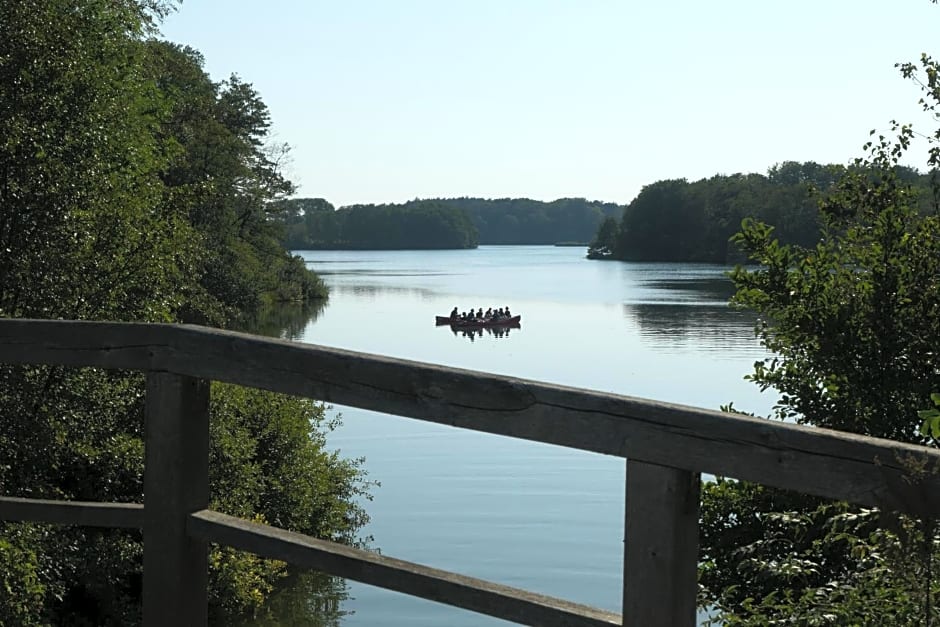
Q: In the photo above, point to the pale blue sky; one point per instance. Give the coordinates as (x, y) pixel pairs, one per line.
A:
(384, 101)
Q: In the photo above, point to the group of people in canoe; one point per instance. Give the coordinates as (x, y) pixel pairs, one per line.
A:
(490, 315)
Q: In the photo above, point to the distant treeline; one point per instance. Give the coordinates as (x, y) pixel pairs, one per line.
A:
(670, 220)
(526, 221)
(313, 223)
(675, 220)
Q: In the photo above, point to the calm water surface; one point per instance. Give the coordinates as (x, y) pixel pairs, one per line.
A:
(529, 515)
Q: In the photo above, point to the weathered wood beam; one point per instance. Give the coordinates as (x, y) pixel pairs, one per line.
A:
(661, 546)
(371, 568)
(84, 513)
(113, 345)
(825, 463)
(176, 483)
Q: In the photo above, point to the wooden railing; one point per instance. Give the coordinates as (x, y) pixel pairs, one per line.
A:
(665, 446)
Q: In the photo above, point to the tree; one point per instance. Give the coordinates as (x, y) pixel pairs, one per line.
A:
(224, 180)
(605, 242)
(107, 212)
(82, 235)
(412, 225)
(853, 324)
(527, 221)
(269, 463)
(675, 220)
(79, 165)
(660, 224)
(851, 321)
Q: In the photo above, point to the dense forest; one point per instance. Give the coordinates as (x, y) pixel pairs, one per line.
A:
(133, 187)
(312, 223)
(675, 220)
(670, 220)
(526, 221)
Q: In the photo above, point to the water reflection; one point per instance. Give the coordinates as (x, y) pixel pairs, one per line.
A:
(373, 290)
(476, 332)
(306, 597)
(283, 320)
(698, 289)
(717, 327)
(375, 272)
(689, 310)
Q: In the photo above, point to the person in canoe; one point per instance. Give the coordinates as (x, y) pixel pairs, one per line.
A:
(454, 314)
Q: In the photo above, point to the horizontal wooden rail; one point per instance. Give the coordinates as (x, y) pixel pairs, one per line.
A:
(826, 463)
(469, 593)
(126, 515)
(666, 446)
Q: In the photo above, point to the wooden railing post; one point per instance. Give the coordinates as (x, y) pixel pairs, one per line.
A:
(176, 483)
(661, 545)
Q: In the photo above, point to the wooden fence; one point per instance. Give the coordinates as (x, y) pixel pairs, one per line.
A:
(665, 446)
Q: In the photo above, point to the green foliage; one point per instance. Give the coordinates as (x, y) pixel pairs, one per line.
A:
(527, 221)
(134, 188)
(852, 323)
(240, 581)
(772, 557)
(416, 225)
(223, 180)
(413, 225)
(79, 164)
(81, 441)
(604, 244)
(312, 223)
(82, 235)
(675, 220)
(306, 598)
(269, 463)
(269, 458)
(931, 419)
(21, 591)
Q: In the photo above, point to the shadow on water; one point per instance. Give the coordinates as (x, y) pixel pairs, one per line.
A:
(706, 326)
(305, 597)
(473, 334)
(719, 289)
(693, 311)
(286, 321)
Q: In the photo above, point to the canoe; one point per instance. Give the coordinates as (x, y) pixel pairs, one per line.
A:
(477, 324)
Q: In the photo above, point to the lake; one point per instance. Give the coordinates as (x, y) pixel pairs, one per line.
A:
(535, 516)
